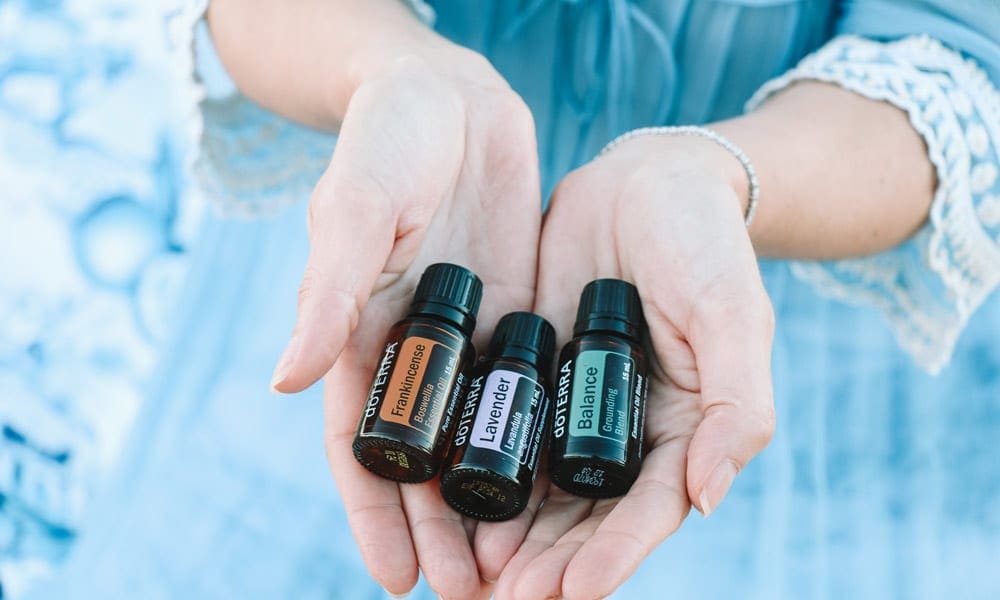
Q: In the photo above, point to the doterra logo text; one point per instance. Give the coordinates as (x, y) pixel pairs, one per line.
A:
(381, 376)
(562, 399)
(462, 435)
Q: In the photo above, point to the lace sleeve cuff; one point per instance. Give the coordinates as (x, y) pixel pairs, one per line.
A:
(930, 285)
(249, 162)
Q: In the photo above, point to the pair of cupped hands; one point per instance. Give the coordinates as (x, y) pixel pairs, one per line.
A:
(438, 162)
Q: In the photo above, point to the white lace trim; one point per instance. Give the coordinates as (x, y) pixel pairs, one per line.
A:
(928, 287)
(253, 163)
(250, 162)
(181, 22)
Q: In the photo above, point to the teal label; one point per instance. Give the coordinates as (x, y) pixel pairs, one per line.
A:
(601, 398)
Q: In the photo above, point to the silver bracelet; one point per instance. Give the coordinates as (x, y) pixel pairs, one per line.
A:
(694, 130)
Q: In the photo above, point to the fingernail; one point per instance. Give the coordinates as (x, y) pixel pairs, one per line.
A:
(716, 486)
(285, 362)
(399, 596)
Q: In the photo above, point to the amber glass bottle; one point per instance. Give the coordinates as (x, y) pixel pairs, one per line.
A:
(493, 461)
(410, 413)
(597, 430)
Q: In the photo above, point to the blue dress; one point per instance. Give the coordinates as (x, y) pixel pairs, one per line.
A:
(882, 479)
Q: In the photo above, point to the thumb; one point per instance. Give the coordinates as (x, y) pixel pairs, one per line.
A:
(352, 232)
(732, 347)
(353, 219)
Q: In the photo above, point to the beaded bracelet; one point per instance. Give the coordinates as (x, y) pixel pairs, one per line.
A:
(692, 130)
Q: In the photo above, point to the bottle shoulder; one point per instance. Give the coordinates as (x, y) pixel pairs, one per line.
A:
(435, 329)
(521, 367)
(603, 341)
(606, 344)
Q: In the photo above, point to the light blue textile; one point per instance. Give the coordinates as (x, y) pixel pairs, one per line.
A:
(882, 481)
(95, 219)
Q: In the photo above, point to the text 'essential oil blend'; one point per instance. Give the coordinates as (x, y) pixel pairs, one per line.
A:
(597, 429)
(494, 458)
(420, 378)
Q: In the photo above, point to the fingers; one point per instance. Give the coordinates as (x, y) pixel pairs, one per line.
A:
(525, 575)
(582, 549)
(652, 510)
(373, 505)
(441, 542)
(397, 527)
(496, 543)
(732, 342)
(543, 577)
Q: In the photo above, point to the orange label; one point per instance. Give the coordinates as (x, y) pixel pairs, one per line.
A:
(421, 380)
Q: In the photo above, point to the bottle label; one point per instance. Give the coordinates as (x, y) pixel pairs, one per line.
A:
(509, 406)
(418, 391)
(601, 398)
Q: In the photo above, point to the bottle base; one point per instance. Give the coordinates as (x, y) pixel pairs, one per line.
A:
(483, 495)
(592, 477)
(393, 459)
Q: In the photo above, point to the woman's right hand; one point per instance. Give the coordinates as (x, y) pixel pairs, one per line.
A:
(436, 161)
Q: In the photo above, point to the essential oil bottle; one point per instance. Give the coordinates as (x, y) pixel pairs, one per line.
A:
(494, 458)
(597, 430)
(420, 378)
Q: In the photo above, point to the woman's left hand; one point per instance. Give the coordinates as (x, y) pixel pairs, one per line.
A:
(662, 213)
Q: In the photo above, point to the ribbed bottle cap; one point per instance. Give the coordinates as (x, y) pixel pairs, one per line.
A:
(450, 291)
(520, 333)
(609, 305)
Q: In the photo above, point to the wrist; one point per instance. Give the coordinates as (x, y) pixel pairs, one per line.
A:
(689, 157)
(422, 52)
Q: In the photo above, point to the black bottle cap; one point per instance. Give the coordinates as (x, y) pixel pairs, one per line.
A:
(609, 305)
(451, 292)
(526, 336)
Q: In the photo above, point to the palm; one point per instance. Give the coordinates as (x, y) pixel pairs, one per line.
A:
(575, 543)
(579, 548)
